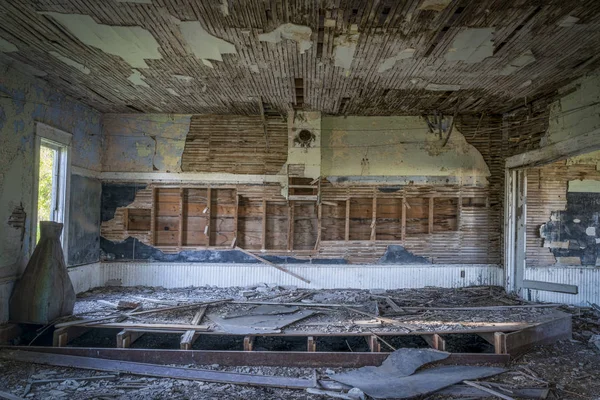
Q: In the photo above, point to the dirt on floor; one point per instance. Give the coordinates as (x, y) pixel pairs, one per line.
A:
(570, 368)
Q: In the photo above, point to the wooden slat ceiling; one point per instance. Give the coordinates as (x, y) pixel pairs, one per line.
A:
(277, 76)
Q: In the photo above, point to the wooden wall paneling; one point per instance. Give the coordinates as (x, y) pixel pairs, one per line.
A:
(430, 217)
(235, 220)
(196, 217)
(181, 219)
(373, 219)
(208, 212)
(403, 226)
(417, 212)
(222, 215)
(445, 214)
(153, 218)
(167, 220)
(264, 225)
(347, 222)
(319, 225)
(361, 217)
(291, 219)
(305, 225)
(388, 219)
(249, 223)
(277, 223)
(333, 221)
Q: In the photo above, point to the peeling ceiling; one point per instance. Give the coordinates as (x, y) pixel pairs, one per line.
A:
(375, 57)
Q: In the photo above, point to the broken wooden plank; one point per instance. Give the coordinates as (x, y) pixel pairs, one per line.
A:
(559, 328)
(435, 341)
(126, 338)
(393, 305)
(149, 327)
(373, 343)
(9, 396)
(254, 358)
(189, 337)
(154, 370)
(279, 267)
(488, 390)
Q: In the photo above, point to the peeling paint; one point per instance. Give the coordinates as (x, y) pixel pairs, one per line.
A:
(70, 62)
(184, 78)
(584, 186)
(7, 47)
(298, 33)
(204, 45)
(568, 21)
(345, 46)
(434, 5)
(518, 63)
(224, 7)
(159, 140)
(173, 92)
(472, 45)
(137, 78)
(395, 146)
(438, 87)
(22, 67)
(132, 43)
(33, 101)
(207, 63)
(389, 63)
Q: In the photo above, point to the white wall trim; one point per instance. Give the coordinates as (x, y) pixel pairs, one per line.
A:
(192, 177)
(81, 171)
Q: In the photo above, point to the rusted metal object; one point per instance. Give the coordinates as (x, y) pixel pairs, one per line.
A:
(44, 292)
(253, 358)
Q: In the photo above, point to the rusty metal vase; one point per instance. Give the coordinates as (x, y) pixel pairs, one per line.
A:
(44, 292)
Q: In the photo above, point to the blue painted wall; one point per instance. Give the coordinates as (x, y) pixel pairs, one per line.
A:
(25, 100)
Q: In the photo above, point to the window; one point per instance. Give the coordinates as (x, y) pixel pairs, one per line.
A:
(51, 197)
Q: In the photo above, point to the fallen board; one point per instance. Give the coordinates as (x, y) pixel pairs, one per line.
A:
(253, 358)
(154, 370)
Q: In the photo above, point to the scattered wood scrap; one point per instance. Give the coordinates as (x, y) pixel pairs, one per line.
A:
(279, 267)
(488, 390)
(159, 371)
(9, 396)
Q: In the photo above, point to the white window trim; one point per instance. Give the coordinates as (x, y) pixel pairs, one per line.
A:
(46, 133)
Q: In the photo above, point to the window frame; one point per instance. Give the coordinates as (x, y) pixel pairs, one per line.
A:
(60, 141)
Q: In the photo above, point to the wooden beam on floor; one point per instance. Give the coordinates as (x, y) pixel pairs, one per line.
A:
(250, 358)
(435, 341)
(62, 336)
(155, 370)
(514, 343)
(190, 336)
(279, 267)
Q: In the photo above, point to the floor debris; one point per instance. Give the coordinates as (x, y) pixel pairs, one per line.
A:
(258, 323)
(396, 377)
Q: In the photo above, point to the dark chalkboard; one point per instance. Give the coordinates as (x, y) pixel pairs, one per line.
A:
(84, 221)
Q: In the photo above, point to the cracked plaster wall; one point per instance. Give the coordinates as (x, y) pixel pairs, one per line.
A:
(395, 146)
(23, 101)
(144, 142)
(575, 113)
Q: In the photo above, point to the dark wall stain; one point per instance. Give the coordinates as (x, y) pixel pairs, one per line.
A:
(563, 227)
(84, 221)
(395, 254)
(133, 249)
(117, 195)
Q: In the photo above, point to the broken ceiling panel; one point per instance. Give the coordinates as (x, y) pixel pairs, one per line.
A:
(137, 78)
(298, 33)
(434, 5)
(204, 45)
(132, 43)
(472, 45)
(345, 46)
(7, 47)
(518, 63)
(389, 63)
(70, 62)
